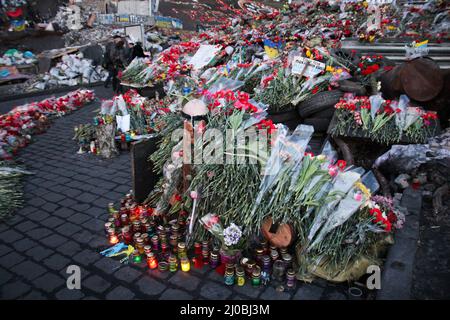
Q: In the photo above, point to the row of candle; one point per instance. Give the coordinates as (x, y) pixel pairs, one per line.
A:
(163, 243)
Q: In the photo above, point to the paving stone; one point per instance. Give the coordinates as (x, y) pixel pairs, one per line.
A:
(72, 193)
(14, 290)
(94, 225)
(156, 274)
(81, 207)
(50, 207)
(53, 197)
(49, 282)
(36, 202)
(213, 275)
(96, 284)
(67, 229)
(54, 240)
(96, 211)
(38, 215)
(86, 257)
(4, 249)
(67, 203)
(248, 290)
(308, 292)
(39, 233)
(38, 253)
(64, 213)
(174, 294)
(128, 274)
(10, 236)
(67, 294)
(108, 265)
(11, 259)
(78, 218)
(150, 287)
(29, 270)
(215, 291)
(5, 276)
(185, 280)
(57, 262)
(83, 236)
(336, 295)
(87, 197)
(52, 222)
(271, 294)
(69, 248)
(25, 226)
(120, 293)
(24, 244)
(34, 295)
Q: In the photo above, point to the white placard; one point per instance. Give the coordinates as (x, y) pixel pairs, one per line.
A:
(313, 67)
(379, 2)
(123, 123)
(203, 56)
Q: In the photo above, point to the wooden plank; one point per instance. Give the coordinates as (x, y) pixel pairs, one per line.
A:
(144, 178)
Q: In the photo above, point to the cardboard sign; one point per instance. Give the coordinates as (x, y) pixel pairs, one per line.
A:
(307, 67)
(203, 56)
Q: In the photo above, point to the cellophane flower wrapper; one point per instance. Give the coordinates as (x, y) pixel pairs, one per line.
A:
(375, 103)
(411, 116)
(226, 84)
(371, 182)
(292, 146)
(341, 185)
(346, 208)
(400, 116)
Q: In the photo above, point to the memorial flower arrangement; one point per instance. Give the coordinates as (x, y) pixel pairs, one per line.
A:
(19, 125)
(383, 121)
(327, 209)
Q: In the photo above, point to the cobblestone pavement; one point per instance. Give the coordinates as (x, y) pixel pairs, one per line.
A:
(62, 222)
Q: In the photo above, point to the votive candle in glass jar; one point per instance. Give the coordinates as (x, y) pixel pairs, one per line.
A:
(249, 267)
(137, 257)
(164, 248)
(287, 259)
(152, 262)
(266, 264)
(256, 277)
(240, 276)
(173, 263)
(113, 238)
(174, 243)
(229, 276)
(290, 279)
(258, 256)
(185, 264)
(274, 254)
(163, 266)
(214, 260)
(278, 270)
(155, 243)
(124, 219)
(126, 235)
(147, 250)
(140, 245)
(197, 248)
(205, 251)
(136, 226)
(182, 250)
